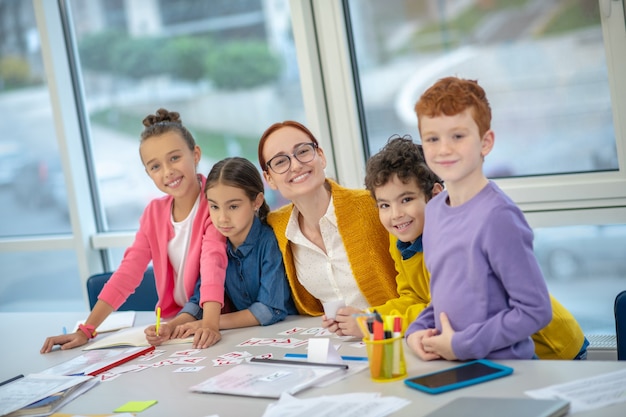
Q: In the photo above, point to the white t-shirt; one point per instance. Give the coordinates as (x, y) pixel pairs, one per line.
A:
(327, 276)
(177, 249)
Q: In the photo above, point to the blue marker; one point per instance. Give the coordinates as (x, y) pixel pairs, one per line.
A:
(345, 358)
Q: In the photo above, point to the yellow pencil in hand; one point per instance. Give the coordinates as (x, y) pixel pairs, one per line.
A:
(158, 320)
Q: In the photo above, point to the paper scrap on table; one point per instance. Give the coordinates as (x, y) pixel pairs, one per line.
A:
(587, 393)
(189, 369)
(320, 350)
(135, 406)
(345, 405)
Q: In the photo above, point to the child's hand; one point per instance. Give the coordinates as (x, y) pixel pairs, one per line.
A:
(205, 337)
(165, 333)
(346, 323)
(441, 344)
(186, 329)
(415, 342)
(66, 341)
(329, 324)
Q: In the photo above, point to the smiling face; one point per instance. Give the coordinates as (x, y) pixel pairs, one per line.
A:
(301, 178)
(453, 147)
(171, 164)
(232, 211)
(401, 208)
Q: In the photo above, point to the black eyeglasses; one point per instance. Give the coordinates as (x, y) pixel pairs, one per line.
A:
(303, 153)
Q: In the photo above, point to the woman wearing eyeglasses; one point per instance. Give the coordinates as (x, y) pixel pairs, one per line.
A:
(333, 244)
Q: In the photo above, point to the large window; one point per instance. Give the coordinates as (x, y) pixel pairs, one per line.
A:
(227, 67)
(71, 204)
(32, 186)
(77, 77)
(585, 269)
(542, 64)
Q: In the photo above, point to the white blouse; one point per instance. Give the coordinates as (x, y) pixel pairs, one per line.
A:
(327, 276)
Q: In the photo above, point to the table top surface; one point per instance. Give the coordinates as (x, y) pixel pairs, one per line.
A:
(24, 333)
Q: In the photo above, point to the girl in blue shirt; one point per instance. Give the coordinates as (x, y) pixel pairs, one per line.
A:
(255, 276)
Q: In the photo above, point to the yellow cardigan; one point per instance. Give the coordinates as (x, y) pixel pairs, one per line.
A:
(366, 242)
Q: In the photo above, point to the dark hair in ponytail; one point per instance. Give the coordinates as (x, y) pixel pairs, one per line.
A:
(240, 173)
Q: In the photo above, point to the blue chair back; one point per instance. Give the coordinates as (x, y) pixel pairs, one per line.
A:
(143, 299)
(620, 325)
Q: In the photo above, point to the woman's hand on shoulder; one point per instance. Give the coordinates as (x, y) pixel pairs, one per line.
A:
(205, 337)
(66, 341)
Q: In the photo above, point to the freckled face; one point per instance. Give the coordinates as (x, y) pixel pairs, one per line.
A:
(453, 147)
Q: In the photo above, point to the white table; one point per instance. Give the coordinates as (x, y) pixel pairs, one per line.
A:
(24, 333)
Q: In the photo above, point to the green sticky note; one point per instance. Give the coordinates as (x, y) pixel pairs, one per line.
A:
(135, 406)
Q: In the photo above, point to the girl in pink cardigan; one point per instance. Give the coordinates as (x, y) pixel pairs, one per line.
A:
(175, 233)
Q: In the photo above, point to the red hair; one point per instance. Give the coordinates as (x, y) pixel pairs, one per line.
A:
(450, 96)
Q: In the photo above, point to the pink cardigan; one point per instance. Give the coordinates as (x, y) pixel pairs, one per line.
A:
(206, 258)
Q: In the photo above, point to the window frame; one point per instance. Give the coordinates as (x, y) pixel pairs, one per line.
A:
(331, 107)
(537, 194)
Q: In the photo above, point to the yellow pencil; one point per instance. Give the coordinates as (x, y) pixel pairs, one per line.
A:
(158, 321)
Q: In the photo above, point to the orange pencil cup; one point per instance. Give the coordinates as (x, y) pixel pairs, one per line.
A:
(386, 359)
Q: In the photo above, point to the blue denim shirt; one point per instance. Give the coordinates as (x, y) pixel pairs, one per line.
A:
(255, 278)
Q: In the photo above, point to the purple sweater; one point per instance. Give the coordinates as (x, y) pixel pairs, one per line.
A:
(484, 276)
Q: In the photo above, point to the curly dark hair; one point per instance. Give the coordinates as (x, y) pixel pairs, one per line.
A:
(404, 158)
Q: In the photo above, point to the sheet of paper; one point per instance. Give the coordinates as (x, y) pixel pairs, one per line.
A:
(93, 361)
(267, 380)
(347, 405)
(587, 393)
(115, 321)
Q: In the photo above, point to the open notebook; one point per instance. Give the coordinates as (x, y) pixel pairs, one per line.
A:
(115, 321)
(132, 337)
